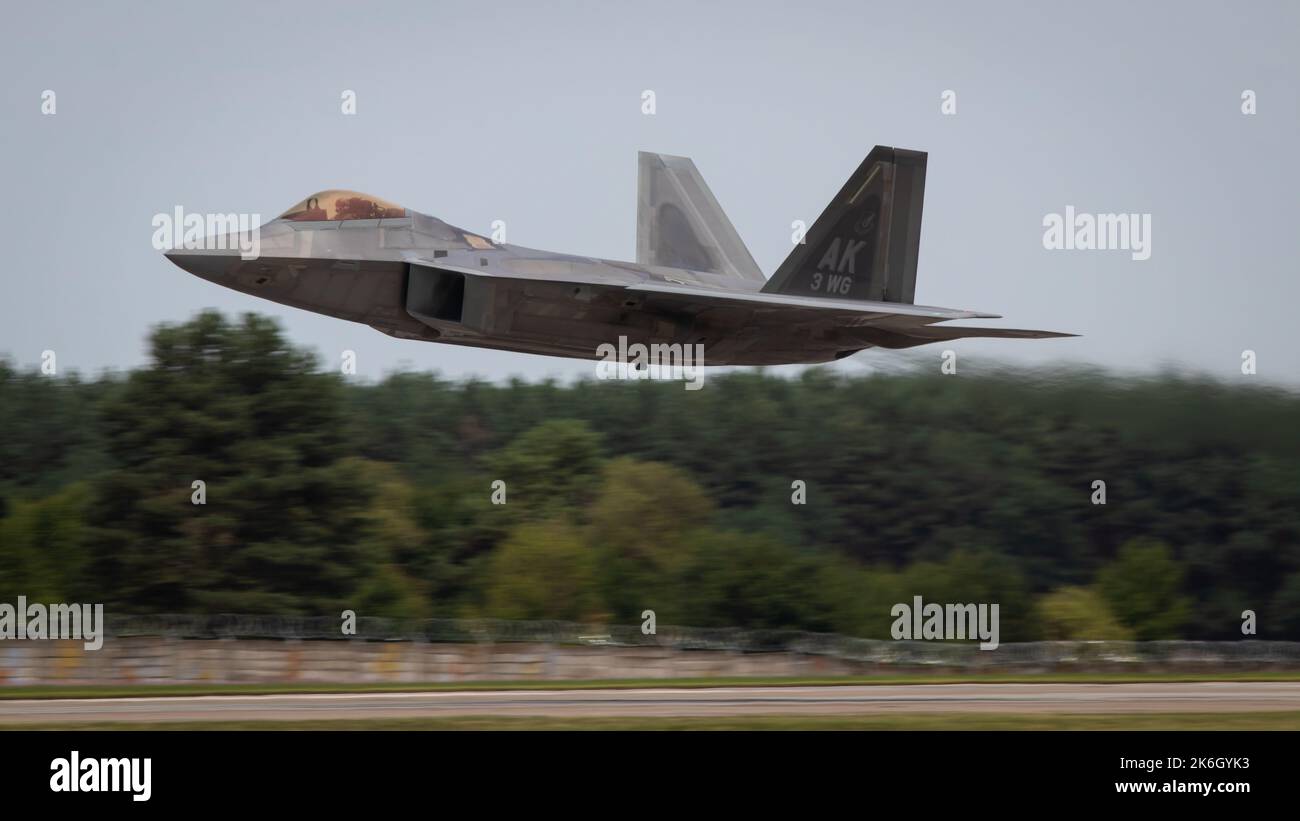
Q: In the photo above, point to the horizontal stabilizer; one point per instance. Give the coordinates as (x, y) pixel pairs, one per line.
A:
(932, 332)
(897, 336)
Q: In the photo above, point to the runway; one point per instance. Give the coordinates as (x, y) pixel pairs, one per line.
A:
(847, 700)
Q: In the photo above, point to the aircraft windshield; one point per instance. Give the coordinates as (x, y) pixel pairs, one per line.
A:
(342, 205)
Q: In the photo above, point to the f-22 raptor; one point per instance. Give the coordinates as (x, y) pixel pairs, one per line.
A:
(847, 286)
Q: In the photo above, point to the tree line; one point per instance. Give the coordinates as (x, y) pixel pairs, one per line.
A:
(814, 502)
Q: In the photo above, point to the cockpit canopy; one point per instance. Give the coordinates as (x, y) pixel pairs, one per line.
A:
(328, 206)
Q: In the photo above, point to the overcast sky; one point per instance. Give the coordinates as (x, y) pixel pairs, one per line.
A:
(531, 113)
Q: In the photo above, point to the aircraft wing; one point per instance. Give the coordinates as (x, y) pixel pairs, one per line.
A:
(825, 307)
(885, 324)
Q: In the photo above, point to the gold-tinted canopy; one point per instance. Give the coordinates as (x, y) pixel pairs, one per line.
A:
(342, 205)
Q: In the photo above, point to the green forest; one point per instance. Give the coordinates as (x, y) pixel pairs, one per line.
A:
(814, 502)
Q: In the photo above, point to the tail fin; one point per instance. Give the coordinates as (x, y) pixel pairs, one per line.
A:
(679, 224)
(864, 245)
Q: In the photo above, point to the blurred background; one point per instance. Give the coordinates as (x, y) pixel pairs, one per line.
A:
(373, 492)
(324, 494)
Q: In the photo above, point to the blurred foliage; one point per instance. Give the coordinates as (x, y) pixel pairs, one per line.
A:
(1079, 613)
(1142, 587)
(42, 547)
(234, 406)
(324, 494)
(543, 571)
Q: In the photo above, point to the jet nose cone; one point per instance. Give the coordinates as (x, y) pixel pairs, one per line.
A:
(215, 266)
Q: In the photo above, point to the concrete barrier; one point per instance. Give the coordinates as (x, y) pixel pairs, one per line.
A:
(161, 660)
(186, 651)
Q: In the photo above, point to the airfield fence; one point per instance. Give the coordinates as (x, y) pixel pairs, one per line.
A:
(733, 640)
(178, 649)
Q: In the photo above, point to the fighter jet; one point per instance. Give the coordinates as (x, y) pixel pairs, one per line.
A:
(848, 285)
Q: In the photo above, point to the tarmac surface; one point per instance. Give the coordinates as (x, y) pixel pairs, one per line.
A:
(1197, 697)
